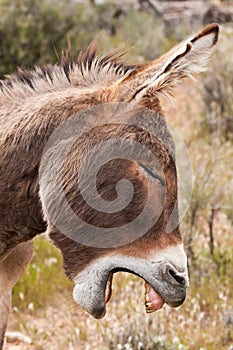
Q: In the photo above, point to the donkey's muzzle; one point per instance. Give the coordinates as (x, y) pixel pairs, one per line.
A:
(173, 276)
(176, 284)
(166, 280)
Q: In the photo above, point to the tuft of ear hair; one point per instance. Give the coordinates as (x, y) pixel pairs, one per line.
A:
(161, 75)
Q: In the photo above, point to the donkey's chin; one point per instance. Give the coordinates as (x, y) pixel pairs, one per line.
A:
(164, 283)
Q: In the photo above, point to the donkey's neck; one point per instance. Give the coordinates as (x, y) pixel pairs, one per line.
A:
(25, 130)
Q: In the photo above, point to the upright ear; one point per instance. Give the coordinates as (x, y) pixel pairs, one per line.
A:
(189, 57)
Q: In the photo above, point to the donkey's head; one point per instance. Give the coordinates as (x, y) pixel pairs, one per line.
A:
(108, 180)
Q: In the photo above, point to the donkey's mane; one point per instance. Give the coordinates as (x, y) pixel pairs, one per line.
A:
(89, 68)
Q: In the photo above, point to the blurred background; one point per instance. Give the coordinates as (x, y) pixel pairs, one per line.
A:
(43, 310)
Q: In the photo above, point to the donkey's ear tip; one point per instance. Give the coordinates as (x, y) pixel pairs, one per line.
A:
(212, 28)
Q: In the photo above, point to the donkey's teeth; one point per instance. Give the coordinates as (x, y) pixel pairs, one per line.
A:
(148, 304)
(153, 301)
(149, 307)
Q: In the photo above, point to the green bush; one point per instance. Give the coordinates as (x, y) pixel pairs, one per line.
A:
(30, 29)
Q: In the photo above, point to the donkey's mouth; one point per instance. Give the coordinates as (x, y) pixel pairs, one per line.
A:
(163, 283)
(153, 301)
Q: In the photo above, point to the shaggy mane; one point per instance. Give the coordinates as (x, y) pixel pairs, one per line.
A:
(89, 68)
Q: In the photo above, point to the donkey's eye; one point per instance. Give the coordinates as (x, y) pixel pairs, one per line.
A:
(152, 172)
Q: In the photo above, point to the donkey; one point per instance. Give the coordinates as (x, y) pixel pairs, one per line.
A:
(51, 118)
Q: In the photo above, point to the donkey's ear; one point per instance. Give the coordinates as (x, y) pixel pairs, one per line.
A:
(189, 57)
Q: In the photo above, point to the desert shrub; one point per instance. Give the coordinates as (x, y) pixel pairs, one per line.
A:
(133, 26)
(207, 219)
(29, 30)
(218, 91)
(209, 138)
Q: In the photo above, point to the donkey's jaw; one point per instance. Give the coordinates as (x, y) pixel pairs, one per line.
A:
(164, 271)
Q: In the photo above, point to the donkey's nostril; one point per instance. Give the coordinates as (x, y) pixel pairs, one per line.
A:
(180, 279)
(177, 277)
